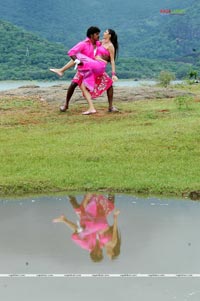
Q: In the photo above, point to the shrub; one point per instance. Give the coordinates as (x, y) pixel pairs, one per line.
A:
(165, 78)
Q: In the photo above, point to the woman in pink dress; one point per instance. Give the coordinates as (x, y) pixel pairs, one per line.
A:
(92, 232)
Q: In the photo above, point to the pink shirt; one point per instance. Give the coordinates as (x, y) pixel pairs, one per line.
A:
(84, 47)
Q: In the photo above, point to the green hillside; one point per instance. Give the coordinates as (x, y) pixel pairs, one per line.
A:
(142, 30)
(149, 41)
(172, 35)
(26, 56)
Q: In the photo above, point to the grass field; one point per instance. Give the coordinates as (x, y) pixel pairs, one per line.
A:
(149, 147)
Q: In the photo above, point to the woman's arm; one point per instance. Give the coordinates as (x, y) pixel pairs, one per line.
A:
(112, 62)
(114, 235)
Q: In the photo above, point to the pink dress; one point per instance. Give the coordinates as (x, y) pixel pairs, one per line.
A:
(93, 218)
(102, 83)
(92, 69)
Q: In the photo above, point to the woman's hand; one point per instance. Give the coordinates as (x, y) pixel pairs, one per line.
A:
(114, 78)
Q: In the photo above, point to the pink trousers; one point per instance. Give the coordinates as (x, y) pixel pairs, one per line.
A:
(90, 70)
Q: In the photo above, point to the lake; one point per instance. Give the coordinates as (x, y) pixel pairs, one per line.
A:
(7, 85)
(158, 257)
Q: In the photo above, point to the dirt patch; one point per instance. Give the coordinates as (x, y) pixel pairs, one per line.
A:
(57, 93)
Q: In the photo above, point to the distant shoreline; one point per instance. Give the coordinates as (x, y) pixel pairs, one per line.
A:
(57, 93)
(13, 84)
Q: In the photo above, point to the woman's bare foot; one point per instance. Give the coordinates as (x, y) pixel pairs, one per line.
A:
(59, 219)
(57, 71)
(89, 112)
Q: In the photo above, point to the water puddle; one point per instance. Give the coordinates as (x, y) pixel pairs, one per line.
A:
(106, 234)
(46, 239)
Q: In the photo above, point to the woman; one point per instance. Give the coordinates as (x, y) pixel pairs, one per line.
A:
(91, 69)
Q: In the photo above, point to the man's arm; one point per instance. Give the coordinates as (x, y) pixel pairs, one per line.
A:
(74, 50)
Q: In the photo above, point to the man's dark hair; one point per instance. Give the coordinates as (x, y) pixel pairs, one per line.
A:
(91, 30)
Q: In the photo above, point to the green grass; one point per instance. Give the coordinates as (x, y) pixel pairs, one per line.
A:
(150, 147)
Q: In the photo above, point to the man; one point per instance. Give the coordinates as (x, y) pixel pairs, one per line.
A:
(87, 47)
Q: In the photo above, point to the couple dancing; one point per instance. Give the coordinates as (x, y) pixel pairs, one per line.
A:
(92, 231)
(90, 57)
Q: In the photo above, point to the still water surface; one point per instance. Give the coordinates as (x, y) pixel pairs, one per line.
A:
(7, 85)
(157, 236)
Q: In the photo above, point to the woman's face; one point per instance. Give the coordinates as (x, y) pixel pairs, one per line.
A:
(106, 34)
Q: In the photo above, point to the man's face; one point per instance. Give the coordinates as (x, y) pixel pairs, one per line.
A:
(95, 36)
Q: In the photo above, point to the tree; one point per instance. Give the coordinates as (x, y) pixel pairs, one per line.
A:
(193, 74)
(165, 78)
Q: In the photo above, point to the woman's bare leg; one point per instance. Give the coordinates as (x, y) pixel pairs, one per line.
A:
(91, 109)
(63, 219)
(86, 199)
(60, 71)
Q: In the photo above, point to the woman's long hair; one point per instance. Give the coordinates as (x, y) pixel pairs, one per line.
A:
(117, 247)
(114, 40)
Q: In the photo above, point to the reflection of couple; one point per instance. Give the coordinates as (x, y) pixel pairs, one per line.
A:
(91, 57)
(92, 231)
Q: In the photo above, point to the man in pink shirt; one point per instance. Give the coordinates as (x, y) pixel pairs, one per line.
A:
(87, 47)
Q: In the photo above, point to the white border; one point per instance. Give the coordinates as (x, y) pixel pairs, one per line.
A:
(99, 275)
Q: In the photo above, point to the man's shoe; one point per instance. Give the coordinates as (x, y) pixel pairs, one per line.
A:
(113, 110)
(63, 109)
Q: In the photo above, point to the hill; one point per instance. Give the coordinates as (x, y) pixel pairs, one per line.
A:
(142, 30)
(25, 55)
(175, 35)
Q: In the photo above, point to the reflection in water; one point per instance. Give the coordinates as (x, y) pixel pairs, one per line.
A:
(92, 230)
